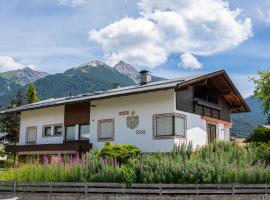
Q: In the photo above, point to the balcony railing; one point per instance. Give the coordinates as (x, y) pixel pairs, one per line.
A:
(67, 147)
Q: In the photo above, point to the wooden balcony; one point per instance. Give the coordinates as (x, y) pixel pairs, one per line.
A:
(67, 147)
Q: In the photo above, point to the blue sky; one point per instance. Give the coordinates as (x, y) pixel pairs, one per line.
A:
(54, 35)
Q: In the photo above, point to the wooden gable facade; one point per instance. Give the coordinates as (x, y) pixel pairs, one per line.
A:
(212, 96)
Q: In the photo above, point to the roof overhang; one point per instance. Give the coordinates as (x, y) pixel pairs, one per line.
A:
(231, 94)
(222, 82)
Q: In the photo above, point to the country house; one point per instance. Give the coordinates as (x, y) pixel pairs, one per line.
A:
(155, 116)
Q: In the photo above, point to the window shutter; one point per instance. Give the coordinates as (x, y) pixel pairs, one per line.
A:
(180, 126)
(106, 129)
(31, 135)
(164, 125)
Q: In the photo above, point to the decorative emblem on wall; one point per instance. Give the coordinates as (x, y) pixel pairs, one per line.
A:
(132, 120)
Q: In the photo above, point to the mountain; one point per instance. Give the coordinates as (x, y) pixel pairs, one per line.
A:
(244, 123)
(132, 72)
(23, 76)
(89, 77)
(97, 76)
(13, 80)
(128, 70)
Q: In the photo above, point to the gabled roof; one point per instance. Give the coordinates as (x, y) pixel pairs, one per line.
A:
(130, 90)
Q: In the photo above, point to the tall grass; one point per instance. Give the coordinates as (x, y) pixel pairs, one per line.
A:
(222, 162)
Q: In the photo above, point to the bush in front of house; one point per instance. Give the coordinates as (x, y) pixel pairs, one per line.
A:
(259, 141)
(262, 151)
(260, 134)
(121, 152)
(221, 162)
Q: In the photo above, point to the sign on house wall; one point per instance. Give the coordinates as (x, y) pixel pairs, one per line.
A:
(132, 120)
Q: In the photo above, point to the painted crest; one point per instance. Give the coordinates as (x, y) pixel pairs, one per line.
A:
(132, 120)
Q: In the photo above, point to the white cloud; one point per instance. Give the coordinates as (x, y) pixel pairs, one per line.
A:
(8, 63)
(72, 2)
(188, 61)
(198, 27)
(134, 40)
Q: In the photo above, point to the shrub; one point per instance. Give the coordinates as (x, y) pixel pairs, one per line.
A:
(260, 134)
(262, 151)
(121, 152)
(260, 143)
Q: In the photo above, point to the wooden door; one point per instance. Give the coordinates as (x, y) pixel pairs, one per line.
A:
(211, 132)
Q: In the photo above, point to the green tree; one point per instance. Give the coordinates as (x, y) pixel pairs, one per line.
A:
(9, 122)
(262, 88)
(31, 94)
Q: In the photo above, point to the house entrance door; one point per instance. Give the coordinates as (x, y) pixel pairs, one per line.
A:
(211, 132)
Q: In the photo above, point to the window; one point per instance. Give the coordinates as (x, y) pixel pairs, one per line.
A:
(84, 131)
(105, 129)
(58, 130)
(47, 131)
(70, 132)
(31, 135)
(164, 125)
(169, 125)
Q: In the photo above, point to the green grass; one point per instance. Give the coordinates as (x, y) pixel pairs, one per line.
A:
(8, 75)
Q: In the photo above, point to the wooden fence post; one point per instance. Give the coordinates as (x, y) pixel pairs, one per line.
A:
(85, 188)
(14, 186)
(233, 190)
(160, 189)
(50, 186)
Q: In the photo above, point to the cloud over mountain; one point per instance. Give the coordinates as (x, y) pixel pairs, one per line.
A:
(195, 27)
(8, 63)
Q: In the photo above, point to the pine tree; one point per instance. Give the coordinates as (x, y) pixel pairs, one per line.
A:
(31, 94)
(9, 122)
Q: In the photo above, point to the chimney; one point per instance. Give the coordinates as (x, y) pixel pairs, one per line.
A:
(115, 85)
(145, 77)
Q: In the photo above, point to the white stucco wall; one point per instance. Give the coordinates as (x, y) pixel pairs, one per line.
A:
(39, 118)
(144, 105)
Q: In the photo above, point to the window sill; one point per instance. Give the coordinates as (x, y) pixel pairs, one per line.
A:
(169, 137)
(51, 136)
(105, 139)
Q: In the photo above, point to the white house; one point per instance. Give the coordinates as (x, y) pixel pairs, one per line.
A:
(155, 116)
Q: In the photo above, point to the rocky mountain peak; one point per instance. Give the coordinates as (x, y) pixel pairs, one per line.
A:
(128, 70)
(92, 63)
(23, 76)
(28, 75)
